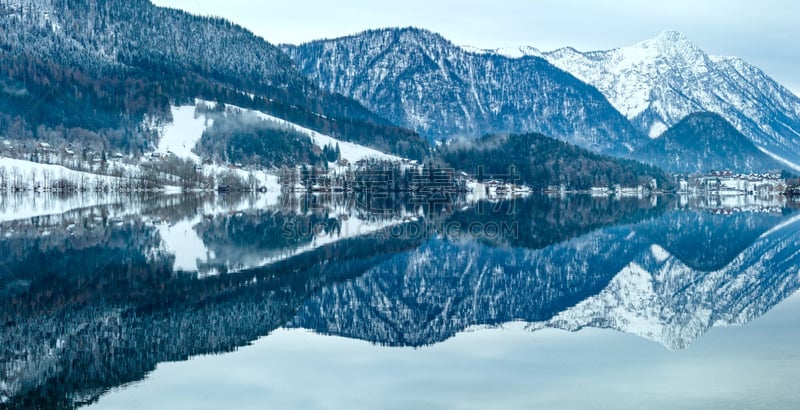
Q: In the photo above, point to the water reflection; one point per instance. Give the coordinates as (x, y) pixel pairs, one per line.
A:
(95, 297)
(668, 279)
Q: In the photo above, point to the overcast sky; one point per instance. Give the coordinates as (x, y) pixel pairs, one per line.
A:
(763, 32)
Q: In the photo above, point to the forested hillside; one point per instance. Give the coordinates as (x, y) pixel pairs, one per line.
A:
(93, 71)
(542, 162)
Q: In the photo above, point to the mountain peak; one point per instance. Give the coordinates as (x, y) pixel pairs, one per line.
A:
(408, 31)
(671, 36)
(709, 126)
(509, 52)
(671, 42)
(410, 36)
(420, 34)
(658, 82)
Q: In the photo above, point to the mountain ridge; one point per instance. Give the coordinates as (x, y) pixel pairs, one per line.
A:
(420, 79)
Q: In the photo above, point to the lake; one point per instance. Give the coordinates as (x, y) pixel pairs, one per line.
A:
(209, 301)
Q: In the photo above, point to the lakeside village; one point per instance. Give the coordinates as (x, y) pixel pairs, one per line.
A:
(722, 183)
(41, 167)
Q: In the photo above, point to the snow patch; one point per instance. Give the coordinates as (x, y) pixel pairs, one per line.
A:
(657, 129)
(181, 240)
(628, 146)
(181, 136)
(780, 159)
(659, 253)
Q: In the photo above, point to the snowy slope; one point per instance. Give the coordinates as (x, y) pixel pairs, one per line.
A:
(349, 151)
(180, 137)
(658, 82)
(31, 175)
(183, 133)
(28, 170)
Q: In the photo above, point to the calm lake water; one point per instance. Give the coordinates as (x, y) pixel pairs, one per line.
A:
(269, 301)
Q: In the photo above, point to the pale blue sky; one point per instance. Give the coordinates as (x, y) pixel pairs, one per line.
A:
(763, 32)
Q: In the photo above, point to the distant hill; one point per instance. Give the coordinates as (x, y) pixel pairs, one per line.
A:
(541, 162)
(705, 142)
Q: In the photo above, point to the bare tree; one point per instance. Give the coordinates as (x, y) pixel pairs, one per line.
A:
(34, 178)
(16, 178)
(3, 178)
(47, 175)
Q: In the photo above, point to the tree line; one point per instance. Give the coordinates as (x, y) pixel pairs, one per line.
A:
(543, 162)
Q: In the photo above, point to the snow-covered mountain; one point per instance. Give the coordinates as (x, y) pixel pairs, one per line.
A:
(421, 80)
(96, 35)
(658, 82)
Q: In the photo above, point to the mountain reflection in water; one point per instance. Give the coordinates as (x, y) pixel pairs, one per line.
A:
(94, 298)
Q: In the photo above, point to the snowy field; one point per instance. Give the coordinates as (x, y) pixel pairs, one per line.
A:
(181, 136)
(32, 173)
